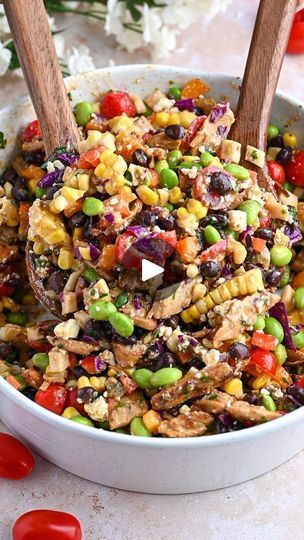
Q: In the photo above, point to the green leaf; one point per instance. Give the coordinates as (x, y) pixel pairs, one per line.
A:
(3, 141)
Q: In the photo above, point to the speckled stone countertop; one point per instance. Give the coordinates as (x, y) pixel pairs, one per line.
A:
(267, 507)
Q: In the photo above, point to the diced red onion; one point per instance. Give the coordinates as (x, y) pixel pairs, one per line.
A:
(89, 339)
(77, 253)
(109, 218)
(278, 311)
(94, 252)
(137, 304)
(242, 235)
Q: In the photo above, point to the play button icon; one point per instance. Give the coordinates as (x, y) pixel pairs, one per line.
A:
(149, 270)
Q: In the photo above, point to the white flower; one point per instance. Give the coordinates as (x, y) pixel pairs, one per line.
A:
(5, 58)
(80, 60)
(59, 43)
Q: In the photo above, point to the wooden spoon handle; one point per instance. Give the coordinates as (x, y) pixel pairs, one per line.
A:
(36, 51)
(267, 48)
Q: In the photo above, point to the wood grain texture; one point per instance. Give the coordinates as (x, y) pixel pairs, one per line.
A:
(266, 53)
(36, 51)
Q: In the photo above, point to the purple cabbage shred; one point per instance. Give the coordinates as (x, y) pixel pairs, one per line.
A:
(185, 104)
(50, 179)
(279, 312)
(218, 111)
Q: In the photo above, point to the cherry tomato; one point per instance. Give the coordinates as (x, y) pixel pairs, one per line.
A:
(6, 290)
(265, 222)
(32, 131)
(276, 171)
(300, 382)
(169, 237)
(71, 401)
(296, 38)
(16, 461)
(295, 169)
(116, 103)
(90, 159)
(264, 361)
(53, 398)
(123, 243)
(47, 525)
(131, 256)
(90, 364)
(264, 341)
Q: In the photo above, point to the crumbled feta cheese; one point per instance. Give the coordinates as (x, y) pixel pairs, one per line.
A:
(237, 220)
(58, 360)
(256, 156)
(231, 151)
(97, 410)
(67, 329)
(281, 239)
(290, 199)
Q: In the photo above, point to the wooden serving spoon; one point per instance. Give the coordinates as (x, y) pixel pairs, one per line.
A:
(36, 52)
(263, 66)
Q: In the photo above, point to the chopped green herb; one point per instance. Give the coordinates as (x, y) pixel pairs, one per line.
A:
(205, 378)
(121, 299)
(254, 154)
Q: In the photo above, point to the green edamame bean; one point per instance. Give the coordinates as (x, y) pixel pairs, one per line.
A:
(252, 209)
(272, 131)
(21, 380)
(82, 420)
(41, 360)
(239, 172)
(39, 192)
(92, 206)
(274, 328)
(285, 278)
(189, 165)
(288, 185)
(298, 339)
(90, 275)
(121, 299)
(168, 178)
(83, 112)
(280, 255)
(122, 324)
(170, 207)
(142, 377)
(280, 353)
(259, 323)
(121, 430)
(174, 158)
(160, 165)
(175, 92)
(101, 310)
(211, 235)
(299, 298)
(206, 159)
(137, 427)
(164, 376)
(104, 425)
(18, 318)
(268, 403)
(232, 233)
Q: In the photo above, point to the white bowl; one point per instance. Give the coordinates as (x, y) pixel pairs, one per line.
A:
(142, 464)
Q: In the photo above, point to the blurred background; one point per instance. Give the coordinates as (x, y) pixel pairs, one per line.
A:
(212, 35)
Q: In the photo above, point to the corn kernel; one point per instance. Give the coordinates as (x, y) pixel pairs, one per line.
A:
(120, 123)
(32, 184)
(174, 118)
(70, 412)
(193, 312)
(126, 190)
(55, 237)
(83, 182)
(59, 204)
(71, 194)
(175, 195)
(162, 119)
(186, 317)
(182, 213)
(199, 291)
(38, 247)
(290, 139)
(234, 387)
(83, 381)
(163, 196)
(111, 372)
(9, 303)
(147, 195)
(260, 381)
(192, 271)
(66, 259)
(152, 419)
(186, 118)
(98, 383)
(85, 253)
(191, 158)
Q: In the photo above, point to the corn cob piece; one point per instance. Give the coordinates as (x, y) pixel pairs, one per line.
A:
(248, 283)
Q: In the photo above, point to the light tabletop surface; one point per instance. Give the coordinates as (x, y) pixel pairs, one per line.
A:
(267, 507)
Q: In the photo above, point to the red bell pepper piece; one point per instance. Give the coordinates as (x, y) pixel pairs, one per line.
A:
(32, 131)
(213, 251)
(262, 362)
(53, 398)
(264, 341)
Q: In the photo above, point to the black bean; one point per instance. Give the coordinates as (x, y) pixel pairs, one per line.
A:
(196, 363)
(139, 157)
(148, 218)
(220, 183)
(238, 351)
(57, 281)
(166, 222)
(164, 360)
(19, 191)
(216, 220)
(297, 392)
(172, 322)
(95, 329)
(198, 111)
(50, 192)
(78, 219)
(36, 158)
(79, 371)
(284, 155)
(273, 277)
(87, 394)
(8, 175)
(29, 392)
(6, 349)
(265, 234)
(276, 142)
(175, 131)
(210, 269)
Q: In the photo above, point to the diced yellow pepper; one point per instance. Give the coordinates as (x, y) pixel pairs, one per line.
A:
(70, 412)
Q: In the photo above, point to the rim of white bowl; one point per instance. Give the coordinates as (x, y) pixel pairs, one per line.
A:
(61, 423)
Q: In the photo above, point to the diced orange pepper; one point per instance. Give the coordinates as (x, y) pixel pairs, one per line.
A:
(30, 172)
(282, 377)
(194, 88)
(70, 210)
(96, 125)
(90, 159)
(108, 257)
(187, 248)
(23, 217)
(298, 280)
(258, 244)
(13, 382)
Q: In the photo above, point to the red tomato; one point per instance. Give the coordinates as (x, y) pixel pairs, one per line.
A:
(169, 237)
(71, 401)
(276, 171)
(131, 257)
(296, 38)
(192, 130)
(264, 361)
(90, 159)
(123, 243)
(32, 131)
(47, 525)
(89, 364)
(264, 341)
(265, 222)
(53, 398)
(16, 461)
(300, 382)
(295, 169)
(213, 251)
(116, 103)
(6, 290)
